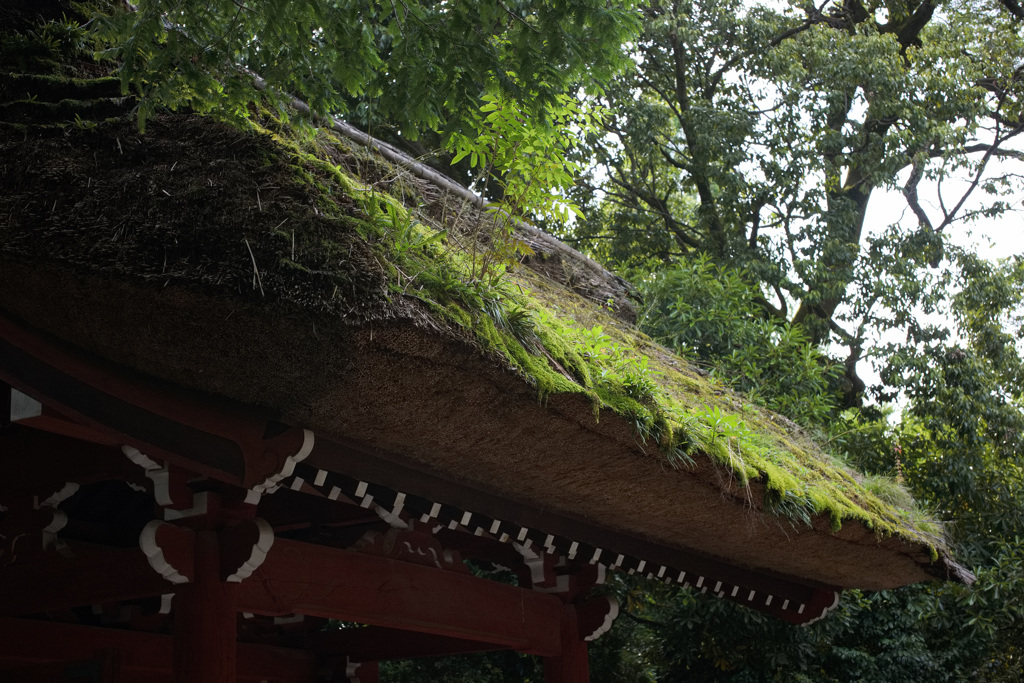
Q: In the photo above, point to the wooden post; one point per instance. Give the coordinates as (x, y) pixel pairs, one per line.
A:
(362, 672)
(205, 621)
(572, 665)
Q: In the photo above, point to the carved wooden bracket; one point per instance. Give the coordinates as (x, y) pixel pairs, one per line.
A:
(411, 545)
(595, 617)
(170, 486)
(243, 548)
(32, 526)
(555, 574)
(170, 549)
(277, 459)
(361, 672)
(25, 534)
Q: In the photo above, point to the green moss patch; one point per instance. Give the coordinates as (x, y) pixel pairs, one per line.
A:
(284, 213)
(562, 343)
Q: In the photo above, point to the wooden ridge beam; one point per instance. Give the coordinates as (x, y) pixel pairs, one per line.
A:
(302, 578)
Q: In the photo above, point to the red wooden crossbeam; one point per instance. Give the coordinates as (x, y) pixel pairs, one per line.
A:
(58, 582)
(376, 643)
(327, 582)
(37, 462)
(302, 578)
(144, 657)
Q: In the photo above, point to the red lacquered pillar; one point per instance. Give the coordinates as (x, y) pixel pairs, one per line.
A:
(205, 620)
(572, 665)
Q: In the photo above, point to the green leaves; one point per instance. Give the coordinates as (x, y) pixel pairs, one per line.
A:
(526, 156)
(707, 311)
(422, 65)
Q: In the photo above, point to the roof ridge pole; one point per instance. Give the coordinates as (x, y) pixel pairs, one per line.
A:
(205, 619)
(572, 665)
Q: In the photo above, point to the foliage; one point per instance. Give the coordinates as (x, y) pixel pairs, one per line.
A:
(760, 134)
(527, 160)
(707, 311)
(495, 667)
(735, 177)
(956, 448)
(422, 64)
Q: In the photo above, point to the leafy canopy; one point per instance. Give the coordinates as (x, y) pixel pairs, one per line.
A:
(422, 64)
(760, 136)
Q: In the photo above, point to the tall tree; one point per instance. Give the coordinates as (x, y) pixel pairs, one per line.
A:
(956, 446)
(759, 136)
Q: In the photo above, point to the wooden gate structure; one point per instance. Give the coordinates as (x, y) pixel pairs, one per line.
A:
(228, 455)
(152, 533)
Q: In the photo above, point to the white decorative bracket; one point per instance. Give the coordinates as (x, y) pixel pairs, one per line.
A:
(60, 518)
(176, 564)
(24, 407)
(272, 482)
(595, 617)
(244, 547)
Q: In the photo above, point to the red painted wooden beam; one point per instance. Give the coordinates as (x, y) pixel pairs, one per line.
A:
(89, 578)
(303, 578)
(570, 664)
(37, 463)
(144, 657)
(308, 579)
(185, 428)
(376, 643)
(205, 619)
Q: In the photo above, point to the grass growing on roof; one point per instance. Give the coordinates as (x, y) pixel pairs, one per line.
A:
(555, 340)
(563, 344)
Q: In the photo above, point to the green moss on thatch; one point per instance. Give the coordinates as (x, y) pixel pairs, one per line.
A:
(351, 213)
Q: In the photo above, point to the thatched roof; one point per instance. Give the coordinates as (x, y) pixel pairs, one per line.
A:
(252, 266)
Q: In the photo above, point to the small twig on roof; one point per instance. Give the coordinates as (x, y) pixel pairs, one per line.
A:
(255, 270)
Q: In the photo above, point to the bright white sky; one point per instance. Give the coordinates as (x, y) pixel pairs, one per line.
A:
(994, 238)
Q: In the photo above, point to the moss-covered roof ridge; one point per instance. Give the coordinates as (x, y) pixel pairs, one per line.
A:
(307, 225)
(568, 344)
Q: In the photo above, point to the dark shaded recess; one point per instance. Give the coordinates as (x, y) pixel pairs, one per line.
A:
(16, 86)
(30, 111)
(108, 512)
(21, 14)
(191, 201)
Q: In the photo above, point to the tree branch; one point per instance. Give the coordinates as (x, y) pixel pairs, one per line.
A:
(1014, 8)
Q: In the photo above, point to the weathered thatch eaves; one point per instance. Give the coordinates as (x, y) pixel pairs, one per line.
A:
(243, 266)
